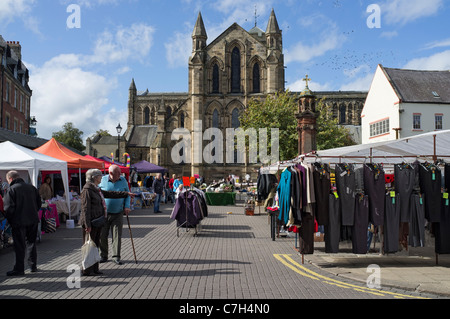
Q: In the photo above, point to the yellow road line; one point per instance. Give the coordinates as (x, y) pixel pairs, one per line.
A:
(292, 264)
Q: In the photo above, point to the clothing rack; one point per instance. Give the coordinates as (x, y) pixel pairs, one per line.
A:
(187, 225)
(380, 231)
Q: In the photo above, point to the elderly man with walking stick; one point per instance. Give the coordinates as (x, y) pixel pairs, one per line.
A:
(116, 209)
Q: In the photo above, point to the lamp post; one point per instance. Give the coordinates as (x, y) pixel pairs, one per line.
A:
(119, 130)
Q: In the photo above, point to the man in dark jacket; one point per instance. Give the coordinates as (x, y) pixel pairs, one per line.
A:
(158, 188)
(22, 203)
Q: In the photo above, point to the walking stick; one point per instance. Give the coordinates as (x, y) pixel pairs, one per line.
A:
(131, 236)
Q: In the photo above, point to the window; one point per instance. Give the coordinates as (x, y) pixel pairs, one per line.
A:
(416, 121)
(342, 114)
(15, 98)
(438, 119)
(215, 119)
(215, 79)
(435, 94)
(379, 128)
(235, 71)
(182, 117)
(8, 92)
(235, 123)
(256, 79)
(147, 116)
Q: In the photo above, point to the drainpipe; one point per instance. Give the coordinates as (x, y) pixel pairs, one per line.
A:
(3, 87)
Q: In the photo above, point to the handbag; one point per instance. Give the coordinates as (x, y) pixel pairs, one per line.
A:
(49, 223)
(89, 253)
(99, 222)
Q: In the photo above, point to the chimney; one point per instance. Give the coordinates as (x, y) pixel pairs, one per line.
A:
(15, 45)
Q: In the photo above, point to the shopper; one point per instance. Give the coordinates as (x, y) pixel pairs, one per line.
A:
(115, 208)
(158, 189)
(21, 204)
(45, 190)
(93, 206)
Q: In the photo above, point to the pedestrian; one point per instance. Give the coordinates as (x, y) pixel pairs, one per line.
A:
(116, 208)
(21, 204)
(177, 183)
(158, 189)
(45, 190)
(93, 206)
(167, 191)
(171, 192)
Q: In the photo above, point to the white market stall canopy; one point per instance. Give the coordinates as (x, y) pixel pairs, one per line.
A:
(19, 158)
(424, 147)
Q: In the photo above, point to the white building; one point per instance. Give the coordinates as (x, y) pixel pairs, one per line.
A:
(403, 103)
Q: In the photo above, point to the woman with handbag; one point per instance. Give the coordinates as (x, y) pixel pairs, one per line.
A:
(93, 212)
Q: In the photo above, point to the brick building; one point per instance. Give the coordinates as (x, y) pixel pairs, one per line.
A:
(15, 94)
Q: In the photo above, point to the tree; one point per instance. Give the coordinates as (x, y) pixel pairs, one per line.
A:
(278, 111)
(70, 136)
(101, 133)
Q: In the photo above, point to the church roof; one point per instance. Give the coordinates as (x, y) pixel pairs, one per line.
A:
(419, 86)
(143, 136)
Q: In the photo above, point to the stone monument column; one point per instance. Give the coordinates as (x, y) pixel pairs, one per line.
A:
(307, 120)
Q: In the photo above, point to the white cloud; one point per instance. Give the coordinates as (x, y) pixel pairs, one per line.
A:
(303, 52)
(134, 42)
(178, 49)
(435, 62)
(438, 44)
(63, 94)
(67, 89)
(359, 84)
(389, 34)
(21, 9)
(299, 85)
(406, 11)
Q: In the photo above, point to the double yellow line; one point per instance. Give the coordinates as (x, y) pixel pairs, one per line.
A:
(301, 270)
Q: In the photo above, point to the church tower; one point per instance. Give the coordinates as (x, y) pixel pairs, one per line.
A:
(132, 92)
(275, 57)
(197, 90)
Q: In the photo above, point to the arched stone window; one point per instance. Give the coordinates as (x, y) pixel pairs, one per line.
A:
(215, 119)
(147, 116)
(182, 119)
(256, 79)
(235, 123)
(215, 79)
(342, 114)
(235, 71)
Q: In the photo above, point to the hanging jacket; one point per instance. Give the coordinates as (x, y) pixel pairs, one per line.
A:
(187, 210)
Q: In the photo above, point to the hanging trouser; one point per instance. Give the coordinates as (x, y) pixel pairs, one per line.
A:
(404, 185)
(360, 226)
(447, 176)
(306, 234)
(430, 184)
(374, 184)
(392, 223)
(417, 223)
(333, 229)
(442, 229)
(322, 188)
(346, 187)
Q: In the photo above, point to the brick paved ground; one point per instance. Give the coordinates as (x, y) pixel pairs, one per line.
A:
(232, 258)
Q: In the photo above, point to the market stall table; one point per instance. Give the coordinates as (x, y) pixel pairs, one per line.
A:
(220, 199)
(75, 207)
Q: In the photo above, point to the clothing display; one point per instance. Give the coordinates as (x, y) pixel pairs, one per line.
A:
(417, 222)
(346, 188)
(322, 187)
(374, 184)
(391, 222)
(361, 221)
(345, 208)
(333, 228)
(188, 210)
(405, 178)
(442, 229)
(430, 184)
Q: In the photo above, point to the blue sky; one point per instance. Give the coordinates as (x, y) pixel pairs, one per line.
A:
(82, 75)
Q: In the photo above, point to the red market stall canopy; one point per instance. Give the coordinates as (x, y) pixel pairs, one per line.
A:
(123, 169)
(56, 150)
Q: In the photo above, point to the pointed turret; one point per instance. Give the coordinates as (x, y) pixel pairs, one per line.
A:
(199, 35)
(132, 85)
(272, 26)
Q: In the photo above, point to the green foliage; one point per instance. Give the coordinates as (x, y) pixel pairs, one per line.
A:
(101, 133)
(70, 136)
(278, 111)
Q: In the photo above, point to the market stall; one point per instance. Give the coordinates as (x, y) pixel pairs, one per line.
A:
(73, 161)
(29, 163)
(346, 191)
(145, 167)
(220, 198)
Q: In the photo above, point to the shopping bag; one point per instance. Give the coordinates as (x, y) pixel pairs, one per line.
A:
(89, 253)
(50, 225)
